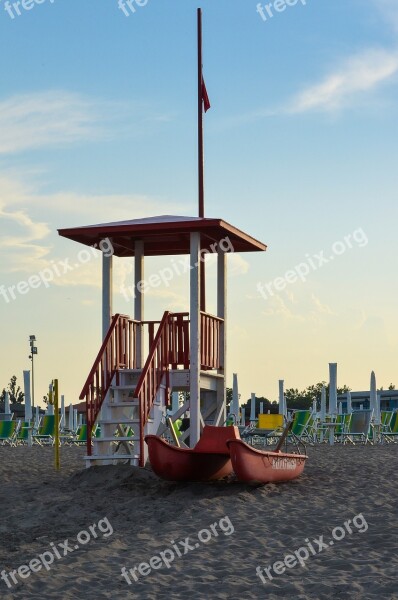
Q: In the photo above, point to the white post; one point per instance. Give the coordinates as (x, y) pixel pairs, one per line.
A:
(7, 410)
(253, 408)
(107, 285)
(70, 418)
(175, 402)
(222, 313)
(37, 417)
(323, 404)
(282, 408)
(349, 404)
(194, 431)
(234, 406)
(63, 416)
(243, 417)
(333, 388)
(139, 299)
(28, 402)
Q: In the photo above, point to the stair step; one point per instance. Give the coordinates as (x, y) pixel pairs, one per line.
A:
(121, 421)
(123, 387)
(118, 439)
(113, 457)
(122, 404)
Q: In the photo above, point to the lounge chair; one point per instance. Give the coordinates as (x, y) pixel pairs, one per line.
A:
(24, 432)
(360, 427)
(46, 431)
(391, 434)
(8, 432)
(304, 426)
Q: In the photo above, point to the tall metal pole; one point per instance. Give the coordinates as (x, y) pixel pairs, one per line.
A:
(33, 385)
(200, 119)
(201, 194)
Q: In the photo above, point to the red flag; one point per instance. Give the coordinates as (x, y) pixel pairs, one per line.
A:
(205, 97)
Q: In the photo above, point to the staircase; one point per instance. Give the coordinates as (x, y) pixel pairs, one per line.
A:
(128, 403)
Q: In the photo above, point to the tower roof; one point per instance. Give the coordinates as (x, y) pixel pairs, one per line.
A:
(164, 235)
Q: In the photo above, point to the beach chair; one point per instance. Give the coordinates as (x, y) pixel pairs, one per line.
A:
(81, 434)
(359, 428)
(391, 434)
(385, 419)
(343, 423)
(46, 431)
(304, 426)
(8, 432)
(23, 432)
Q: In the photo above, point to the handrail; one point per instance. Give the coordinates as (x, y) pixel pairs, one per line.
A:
(116, 352)
(170, 347)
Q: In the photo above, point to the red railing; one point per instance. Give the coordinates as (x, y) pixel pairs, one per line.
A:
(117, 352)
(210, 340)
(170, 347)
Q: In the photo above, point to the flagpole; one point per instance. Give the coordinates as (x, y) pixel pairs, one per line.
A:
(201, 194)
(200, 120)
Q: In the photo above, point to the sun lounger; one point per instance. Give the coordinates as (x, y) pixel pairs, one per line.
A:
(360, 427)
(46, 432)
(8, 432)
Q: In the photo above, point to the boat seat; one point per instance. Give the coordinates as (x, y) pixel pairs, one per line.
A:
(214, 439)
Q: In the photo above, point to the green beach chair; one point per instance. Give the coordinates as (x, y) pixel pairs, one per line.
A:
(46, 431)
(8, 432)
(23, 433)
(391, 434)
(304, 425)
(81, 434)
(360, 427)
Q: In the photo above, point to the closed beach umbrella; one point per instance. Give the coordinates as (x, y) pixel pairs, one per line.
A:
(261, 408)
(253, 408)
(373, 395)
(63, 414)
(282, 403)
(75, 419)
(323, 403)
(234, 407)
(7, 404)
(314, 406)
(243, 418)
(378, 408)
(37, 417)
(28, 403)
(70, 418)
(349, 405)
(333, 388)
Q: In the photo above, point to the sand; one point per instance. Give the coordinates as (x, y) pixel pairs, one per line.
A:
(255, 526)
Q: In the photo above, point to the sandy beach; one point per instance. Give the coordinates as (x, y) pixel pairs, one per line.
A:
(135, 517)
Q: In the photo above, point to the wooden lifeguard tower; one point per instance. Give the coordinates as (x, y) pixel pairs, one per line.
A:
(140, 363)
(128, 389)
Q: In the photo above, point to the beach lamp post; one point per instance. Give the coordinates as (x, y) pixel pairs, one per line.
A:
(33, 351)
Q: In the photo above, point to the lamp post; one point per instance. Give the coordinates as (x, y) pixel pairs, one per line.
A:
(33, 351)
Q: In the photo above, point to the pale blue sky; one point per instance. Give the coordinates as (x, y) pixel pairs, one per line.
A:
(98, 123)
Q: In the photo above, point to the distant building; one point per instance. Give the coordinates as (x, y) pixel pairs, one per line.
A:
(388, 400)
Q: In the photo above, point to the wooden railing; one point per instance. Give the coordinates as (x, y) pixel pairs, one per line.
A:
(170, 347)
(116, 352)
(210, 341)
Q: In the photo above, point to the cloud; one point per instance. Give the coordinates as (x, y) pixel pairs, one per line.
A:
(359, 74)
(48, 118)
(389, 10)
(308, 309)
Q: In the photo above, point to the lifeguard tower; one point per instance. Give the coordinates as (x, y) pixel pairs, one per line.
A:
(140, 363)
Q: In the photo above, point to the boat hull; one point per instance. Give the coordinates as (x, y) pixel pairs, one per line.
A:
(259, 466)
(182, 464)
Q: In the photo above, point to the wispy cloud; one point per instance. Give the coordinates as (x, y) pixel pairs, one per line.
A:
(359, 74)
(48, 118)
(389, 11)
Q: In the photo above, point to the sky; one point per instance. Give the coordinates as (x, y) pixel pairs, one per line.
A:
(98, 124)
